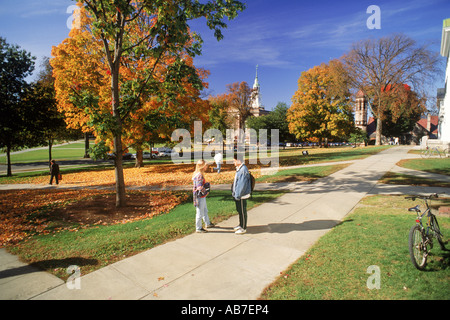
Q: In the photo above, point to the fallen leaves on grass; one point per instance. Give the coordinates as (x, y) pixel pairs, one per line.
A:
(28, 212)
(152, 175)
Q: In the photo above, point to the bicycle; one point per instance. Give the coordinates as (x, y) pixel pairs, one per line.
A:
(420, 240)
(430, 152)
(435, 153)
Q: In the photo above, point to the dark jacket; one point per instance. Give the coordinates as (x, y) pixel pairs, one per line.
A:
(54, 169)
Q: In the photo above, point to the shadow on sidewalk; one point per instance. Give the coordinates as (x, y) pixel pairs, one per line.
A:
(46, 264)
(289, 227)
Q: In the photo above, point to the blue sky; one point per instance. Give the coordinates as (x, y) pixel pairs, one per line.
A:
(283, 37)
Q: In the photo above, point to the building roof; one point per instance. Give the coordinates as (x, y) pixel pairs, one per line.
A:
(372, 125)
(360, 94)
(434, 124)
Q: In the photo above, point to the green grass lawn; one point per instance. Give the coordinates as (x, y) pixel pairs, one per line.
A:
(440, 166)
(73, 151)
(375, 234)
(291, 157)
(98, 246)
(301, 174)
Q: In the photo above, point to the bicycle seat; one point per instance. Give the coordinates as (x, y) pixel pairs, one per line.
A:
(416, 208)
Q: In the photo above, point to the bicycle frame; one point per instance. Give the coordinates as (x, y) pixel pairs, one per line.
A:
(420, 236)
(426, 230)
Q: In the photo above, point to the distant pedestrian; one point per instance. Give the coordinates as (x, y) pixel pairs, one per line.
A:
(241, 191)
(200, 191)
(54, 171)
(218, 158)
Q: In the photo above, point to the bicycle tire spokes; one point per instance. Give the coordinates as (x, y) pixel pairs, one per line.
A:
(418, 247)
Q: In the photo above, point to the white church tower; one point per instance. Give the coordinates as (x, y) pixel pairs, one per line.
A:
(256, 94)
(257, 109)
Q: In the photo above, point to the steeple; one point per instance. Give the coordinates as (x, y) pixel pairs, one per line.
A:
(256, 84)
(256, 94)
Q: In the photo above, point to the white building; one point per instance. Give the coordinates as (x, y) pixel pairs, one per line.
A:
(257, 109)
(444, 110)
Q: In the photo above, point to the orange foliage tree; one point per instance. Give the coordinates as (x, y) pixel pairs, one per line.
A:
(321, 108)
(139, 55)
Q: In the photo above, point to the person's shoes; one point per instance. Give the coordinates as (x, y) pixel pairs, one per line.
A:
(201, 231)
(237, 228)
(240, 231)
(211, 225)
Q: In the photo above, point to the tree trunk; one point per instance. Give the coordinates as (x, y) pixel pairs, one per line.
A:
(118, 170)
(86, 145)
(378, 132)
(139, 157)
(50, 144)
(117, 133)
(8, 157)
(379, 124)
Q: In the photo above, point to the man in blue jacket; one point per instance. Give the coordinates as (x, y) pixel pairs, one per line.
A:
(241, 191)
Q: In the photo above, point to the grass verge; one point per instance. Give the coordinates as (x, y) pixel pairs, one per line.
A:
(375, 234)
(97, 246)
(301, 174)
(439, 166)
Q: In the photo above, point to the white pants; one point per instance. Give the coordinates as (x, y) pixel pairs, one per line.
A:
(201, 213)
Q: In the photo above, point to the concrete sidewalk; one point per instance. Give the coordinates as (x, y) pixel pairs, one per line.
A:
(219, 264)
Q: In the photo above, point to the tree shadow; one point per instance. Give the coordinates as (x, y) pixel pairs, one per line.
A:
(258, 196)
(290, 227)
(45, 265)
(438, 261)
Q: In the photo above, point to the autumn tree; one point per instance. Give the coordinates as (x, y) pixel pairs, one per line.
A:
(16, 65)
(145, 35)
(218, 114)
(374, 64)
(404, 109)
(239, 97)
(155, 122)
(48, 124)
(321, 106)
(274, 120)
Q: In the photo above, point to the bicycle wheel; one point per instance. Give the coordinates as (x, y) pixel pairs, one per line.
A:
(437, 232)
(417, 248)
(435, 153)
(446, 153)
(425, 154)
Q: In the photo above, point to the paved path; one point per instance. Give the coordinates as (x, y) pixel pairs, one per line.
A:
(219, 264)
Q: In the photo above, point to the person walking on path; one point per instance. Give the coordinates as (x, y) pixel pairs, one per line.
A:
(200, 191)
(218, 158)
(241, 191)
(54, 171)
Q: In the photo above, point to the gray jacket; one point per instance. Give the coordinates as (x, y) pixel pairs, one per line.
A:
(242, 184)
